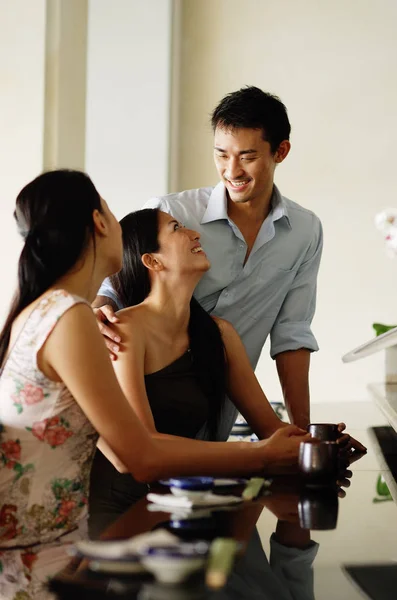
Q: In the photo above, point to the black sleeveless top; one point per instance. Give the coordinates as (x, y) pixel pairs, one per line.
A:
(178, 404)
(179, 407)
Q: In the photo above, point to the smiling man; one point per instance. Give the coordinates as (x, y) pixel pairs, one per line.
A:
(264, 249)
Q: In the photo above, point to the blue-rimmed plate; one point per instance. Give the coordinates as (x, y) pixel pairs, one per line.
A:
(192, 484)
(218, 482)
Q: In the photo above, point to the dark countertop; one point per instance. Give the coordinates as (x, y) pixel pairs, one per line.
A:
(360, 552)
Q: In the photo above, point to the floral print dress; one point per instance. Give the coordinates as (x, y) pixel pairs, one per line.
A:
(46, 449)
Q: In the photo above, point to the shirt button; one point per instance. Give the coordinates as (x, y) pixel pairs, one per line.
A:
(241, 246)
(226, 293)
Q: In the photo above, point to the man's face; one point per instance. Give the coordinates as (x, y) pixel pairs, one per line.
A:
(245, 163)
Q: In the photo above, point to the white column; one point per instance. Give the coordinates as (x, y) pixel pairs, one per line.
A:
(65, 84)
(128, 100)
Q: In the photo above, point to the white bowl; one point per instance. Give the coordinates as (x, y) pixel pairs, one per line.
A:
(171, 570)
(173, 564)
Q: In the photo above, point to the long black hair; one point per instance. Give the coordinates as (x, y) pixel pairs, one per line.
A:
(132, 285)
(54, 215)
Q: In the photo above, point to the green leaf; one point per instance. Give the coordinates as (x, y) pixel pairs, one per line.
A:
(381, 328)
(381, 487)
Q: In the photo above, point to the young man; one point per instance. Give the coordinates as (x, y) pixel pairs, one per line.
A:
(264, 249)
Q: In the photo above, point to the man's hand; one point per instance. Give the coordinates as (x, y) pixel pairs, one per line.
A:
(343, 481)
(105, 315)
(348, 442)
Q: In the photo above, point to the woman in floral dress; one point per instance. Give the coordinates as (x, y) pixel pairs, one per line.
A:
(58, 390)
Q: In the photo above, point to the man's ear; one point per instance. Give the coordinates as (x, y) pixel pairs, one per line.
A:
(151, 262)
(282, 151)
(100, 223)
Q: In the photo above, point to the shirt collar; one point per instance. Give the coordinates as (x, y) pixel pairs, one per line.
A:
(279, 207)
(217, 206)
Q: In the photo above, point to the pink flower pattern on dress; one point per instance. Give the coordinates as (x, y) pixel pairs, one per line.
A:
(27, 395)
(66, 507)
(44, 468)
(52, 431)
(8, 522)
(11, 453)
(31, 394)
(10, 456)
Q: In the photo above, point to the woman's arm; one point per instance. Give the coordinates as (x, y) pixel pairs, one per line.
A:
(111, 456)
(243, 387)
(75, 354)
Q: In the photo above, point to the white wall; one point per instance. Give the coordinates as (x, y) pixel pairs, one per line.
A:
(334, 65)
(128, 100)
(22, 51)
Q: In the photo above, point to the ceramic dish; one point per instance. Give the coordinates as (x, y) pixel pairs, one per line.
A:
(103, 550)
(108, 557)
(241, 429)
(191, 487)
(217, 483)
(172, 564)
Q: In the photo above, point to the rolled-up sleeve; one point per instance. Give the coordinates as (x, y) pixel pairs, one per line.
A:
(294, 568)
(292, 328)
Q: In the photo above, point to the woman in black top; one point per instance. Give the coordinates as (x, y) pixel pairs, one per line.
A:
(173, 354)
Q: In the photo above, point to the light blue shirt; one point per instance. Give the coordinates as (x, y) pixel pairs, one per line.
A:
(288, 575)
(274, 292)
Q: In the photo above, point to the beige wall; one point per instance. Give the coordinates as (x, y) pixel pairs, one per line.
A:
(334, 65)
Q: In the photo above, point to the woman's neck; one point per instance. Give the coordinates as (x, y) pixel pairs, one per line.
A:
(170, 302)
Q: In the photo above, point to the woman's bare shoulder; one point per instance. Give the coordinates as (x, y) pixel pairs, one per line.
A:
(132, 322)
(132, 313)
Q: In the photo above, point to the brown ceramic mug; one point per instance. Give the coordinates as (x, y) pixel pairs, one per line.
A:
(318, 508)
(319, 461)
(325, 432)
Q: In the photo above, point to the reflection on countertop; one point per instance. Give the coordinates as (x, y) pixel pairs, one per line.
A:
(308, 543)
